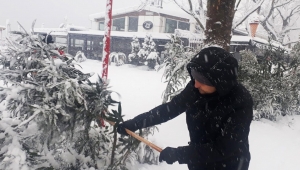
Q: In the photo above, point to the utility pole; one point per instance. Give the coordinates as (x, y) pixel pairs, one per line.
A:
(8, 28)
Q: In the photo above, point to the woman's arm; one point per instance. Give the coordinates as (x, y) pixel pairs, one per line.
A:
(167, 111)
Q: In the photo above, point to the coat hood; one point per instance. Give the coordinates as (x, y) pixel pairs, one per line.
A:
(218, 66)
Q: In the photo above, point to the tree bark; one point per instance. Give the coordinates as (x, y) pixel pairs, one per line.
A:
(220, 15)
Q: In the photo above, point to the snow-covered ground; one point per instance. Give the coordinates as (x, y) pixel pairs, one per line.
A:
(273, 145)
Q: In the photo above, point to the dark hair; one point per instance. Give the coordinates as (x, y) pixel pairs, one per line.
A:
(48, 38)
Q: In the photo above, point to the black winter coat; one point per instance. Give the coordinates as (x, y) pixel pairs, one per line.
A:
(218, 123)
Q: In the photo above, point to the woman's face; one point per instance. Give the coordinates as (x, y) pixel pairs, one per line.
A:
(204, 89)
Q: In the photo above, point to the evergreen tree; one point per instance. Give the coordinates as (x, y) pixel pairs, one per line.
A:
(175, 74)
(52, 114)
(147, 53)
(133, 57)
(273, 81)
(152, 54)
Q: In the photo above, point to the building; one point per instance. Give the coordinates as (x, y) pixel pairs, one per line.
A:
(126, 24)
(139, 22)
(149, 19)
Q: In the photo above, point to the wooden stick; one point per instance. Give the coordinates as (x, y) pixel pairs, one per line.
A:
(139, 138)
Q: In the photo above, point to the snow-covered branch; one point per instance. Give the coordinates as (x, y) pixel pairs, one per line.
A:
(290, 29)
(29, 119)
(191, 12)
(56, 105)
(290, 42)
(241, 20)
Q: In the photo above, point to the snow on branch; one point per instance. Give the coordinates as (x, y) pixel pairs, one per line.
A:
(241, 20)
(191, 12)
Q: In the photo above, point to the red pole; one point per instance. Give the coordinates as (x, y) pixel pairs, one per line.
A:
(106, 39)
(106, 46)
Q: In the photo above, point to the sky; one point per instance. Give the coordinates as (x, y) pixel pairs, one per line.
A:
(51, 13)
(273, 145)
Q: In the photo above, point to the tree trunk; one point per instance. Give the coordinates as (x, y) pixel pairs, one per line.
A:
(220, 15)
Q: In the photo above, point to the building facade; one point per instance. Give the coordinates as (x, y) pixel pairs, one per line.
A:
(150, 19)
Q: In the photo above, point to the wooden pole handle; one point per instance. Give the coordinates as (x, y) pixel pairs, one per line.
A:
(136, 136)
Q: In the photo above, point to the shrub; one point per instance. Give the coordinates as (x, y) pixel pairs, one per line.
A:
(273, 80)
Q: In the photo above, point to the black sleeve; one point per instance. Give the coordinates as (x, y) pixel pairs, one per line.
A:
(231, 142)
(167, 111)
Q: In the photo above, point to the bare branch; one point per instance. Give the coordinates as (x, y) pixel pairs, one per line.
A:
(237, 5)
(282, 4)
(270, 11)
(294, 11)
(191, 13)
(191, 6)
(268, 27)
(240, 21)
(290, 29)
(280, 14)
(200, 3)
(290, 42)
(182, 8)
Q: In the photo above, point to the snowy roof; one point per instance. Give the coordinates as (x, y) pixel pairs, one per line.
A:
(241, 31)
(249, 39)
(176, 13)
(52, 31)
(260, 40)
(240, 38)
(274, 43)
(2, 27)
(60, 31)
(125, 34)
(81, 28)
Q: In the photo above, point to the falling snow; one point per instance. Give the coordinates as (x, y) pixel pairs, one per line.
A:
(273, 145)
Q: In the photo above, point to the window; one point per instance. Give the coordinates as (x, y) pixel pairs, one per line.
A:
(133, 24)
(79, 43)
(101, 25)
(89, 43)
(76, 43)
(171, 25)
(183, 25)
(118, 24)
(61, 40)
(93, 48)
